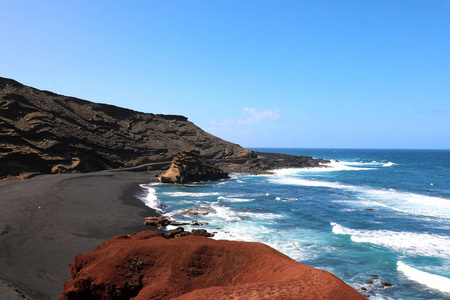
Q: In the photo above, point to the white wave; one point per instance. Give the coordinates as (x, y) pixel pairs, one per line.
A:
(189, 194)
(409, 243)
(350, 166)
(238, 232)
(349, 210)
(433, 281)
(286, 199)
(308, 182)
(335, 165)
(225, 213)
(403, 202)
(234, 199)
(260, 216)
(410, 203)
(151, 199)
(282, 241)
(235, 175)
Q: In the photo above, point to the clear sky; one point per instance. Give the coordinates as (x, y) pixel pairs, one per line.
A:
(307, 74)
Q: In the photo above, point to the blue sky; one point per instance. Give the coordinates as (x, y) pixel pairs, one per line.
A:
(325, 74)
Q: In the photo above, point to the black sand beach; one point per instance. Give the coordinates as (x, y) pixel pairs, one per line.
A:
(46, 221)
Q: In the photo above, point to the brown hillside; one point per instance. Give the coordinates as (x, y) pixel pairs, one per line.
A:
(43, 132)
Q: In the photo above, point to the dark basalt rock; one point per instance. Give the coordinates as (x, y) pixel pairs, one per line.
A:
(201, 232)
(162, 221)
(157, 221)
(262, 162)
(42, 132)
(172, 233)
(189, 167)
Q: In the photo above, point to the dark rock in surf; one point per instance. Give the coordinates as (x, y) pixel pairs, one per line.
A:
(157, 221)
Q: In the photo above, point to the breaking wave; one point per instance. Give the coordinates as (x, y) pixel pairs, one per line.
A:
(408, 243)
(433, 281)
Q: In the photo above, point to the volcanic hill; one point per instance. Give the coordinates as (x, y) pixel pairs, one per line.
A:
(42, 132)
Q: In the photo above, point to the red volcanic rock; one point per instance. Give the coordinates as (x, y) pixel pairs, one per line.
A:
(148, 266)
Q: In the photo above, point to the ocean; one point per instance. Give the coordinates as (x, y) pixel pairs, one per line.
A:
(371, 216)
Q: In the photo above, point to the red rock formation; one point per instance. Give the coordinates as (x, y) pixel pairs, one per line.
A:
(148, 266)
(188, 166)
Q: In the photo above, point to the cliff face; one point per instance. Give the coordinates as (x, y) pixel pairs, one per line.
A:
(42, 132)
(148, 266)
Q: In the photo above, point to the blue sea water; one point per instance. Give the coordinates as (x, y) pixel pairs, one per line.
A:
(370, 212)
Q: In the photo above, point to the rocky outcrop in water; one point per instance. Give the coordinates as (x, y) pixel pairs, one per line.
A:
(42, 132)
(189, 167)
(262, 162)
(149, 266)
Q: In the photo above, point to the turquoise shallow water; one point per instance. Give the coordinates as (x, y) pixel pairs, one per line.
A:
(371, 212)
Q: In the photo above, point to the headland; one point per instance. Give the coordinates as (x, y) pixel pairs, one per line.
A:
(83, 163)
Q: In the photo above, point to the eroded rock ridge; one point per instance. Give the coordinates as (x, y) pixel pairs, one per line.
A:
(43, 132)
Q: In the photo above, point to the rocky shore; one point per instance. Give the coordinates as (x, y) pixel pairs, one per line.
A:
(83, 163)
(45, 133)
(48, 220)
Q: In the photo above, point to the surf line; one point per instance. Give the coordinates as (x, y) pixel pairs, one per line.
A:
(433, 281)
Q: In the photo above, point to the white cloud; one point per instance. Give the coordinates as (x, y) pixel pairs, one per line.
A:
(254, 117)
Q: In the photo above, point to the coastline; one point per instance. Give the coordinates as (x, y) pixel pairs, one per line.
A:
(47, 220)
(53, 218)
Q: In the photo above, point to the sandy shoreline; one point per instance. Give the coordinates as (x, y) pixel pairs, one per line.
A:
(46, 221)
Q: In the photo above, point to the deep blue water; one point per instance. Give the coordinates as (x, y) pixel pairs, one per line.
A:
(371, 212)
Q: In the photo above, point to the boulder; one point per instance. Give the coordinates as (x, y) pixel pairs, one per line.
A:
(201, 232)
(181, 234)
(189, 167)
(197, 223)
(172, 233)
(157, 221)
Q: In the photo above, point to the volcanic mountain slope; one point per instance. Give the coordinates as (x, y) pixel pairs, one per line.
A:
(42, 132)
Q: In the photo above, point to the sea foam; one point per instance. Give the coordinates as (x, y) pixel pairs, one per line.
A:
(409, 243)
(234, 199)
(151, 199)
(335, 165)
(403, 202)
(189, 194)
(433, 281)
